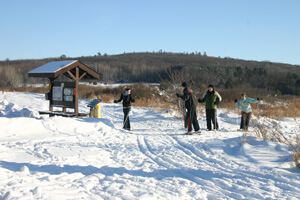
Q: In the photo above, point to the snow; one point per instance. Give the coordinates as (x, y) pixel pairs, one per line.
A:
(89, 158)
(52, 67)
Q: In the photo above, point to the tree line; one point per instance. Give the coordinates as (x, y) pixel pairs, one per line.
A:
(161, 67)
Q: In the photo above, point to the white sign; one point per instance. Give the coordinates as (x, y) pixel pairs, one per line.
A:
(57, 93)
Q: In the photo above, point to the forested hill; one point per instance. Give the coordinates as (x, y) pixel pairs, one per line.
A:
(196, 68)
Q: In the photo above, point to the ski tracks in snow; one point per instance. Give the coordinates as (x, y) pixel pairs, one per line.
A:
(96, 158)
(219, 173)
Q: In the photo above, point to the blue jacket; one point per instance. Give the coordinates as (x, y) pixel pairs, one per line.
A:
(246, 104)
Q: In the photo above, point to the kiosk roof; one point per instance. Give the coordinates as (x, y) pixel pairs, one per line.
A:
(56, 68)
(52, 67)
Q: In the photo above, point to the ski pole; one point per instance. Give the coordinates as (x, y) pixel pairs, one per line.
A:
(114, 114)
(237, 118)
(258, 109)
(237, 111)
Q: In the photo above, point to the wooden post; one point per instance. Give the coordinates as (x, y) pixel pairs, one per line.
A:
(51, 88)
(76, 86)
(90, 115)
(76, 78)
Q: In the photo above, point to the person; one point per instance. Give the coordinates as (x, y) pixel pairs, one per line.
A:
(127, 100)
(211, 98)
(190, 104)
(245, 103)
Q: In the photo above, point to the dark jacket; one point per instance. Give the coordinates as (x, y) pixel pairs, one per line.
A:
(211, 99)
(126, 98)
(189, 98)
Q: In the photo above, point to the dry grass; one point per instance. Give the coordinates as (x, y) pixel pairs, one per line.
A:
(25, 89)
(292, 141)
(272, 132)
(287, 106)
(269, 106)
(144, 95)
(150, 96)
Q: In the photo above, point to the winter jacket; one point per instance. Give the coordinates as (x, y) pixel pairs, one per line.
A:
(126, 98)
(246, 104)
(189, 98)
(211, 99)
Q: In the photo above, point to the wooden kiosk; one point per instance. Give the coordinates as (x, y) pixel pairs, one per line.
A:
(64, 94)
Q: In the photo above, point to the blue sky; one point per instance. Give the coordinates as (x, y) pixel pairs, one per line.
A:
(251, 30)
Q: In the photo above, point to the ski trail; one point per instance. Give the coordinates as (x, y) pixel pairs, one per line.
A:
(144, 149)
(211, 162)
(195, 175)
(229, 168)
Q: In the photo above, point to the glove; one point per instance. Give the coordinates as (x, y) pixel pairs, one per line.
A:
(257, 99)
(115, 101)
(235, 100)
(178, 95)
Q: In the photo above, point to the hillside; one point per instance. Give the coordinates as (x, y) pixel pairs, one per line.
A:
(199, 70)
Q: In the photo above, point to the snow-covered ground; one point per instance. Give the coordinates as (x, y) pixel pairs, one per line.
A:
(88, 158)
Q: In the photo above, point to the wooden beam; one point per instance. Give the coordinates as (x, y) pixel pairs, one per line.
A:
(82, 76)
(76, 86)
(51, 94)
(90, 71)
(70, 73)
(82, 66)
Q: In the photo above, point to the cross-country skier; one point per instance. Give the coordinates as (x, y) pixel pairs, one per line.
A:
(190, 104)
(245, 103)
(127, 100)
(211, 98)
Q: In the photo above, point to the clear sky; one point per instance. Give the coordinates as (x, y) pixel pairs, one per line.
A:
(246, 29)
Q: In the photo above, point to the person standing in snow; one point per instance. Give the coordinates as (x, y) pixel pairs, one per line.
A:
(190, 104)
(127, 100)
(211, 98)
(245, 103)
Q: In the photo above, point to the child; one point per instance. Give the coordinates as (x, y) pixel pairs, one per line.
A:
(245, 103)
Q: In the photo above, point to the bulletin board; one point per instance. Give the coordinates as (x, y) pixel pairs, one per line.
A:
(63, 94)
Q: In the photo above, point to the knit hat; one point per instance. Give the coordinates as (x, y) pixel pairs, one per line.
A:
(211, 86)
(184, 84)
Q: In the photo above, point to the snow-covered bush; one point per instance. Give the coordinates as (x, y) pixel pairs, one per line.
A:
(269, 130)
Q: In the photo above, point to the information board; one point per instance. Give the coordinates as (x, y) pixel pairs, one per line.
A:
(57, 93)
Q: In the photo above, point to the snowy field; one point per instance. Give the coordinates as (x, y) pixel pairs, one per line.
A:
(88, 158)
